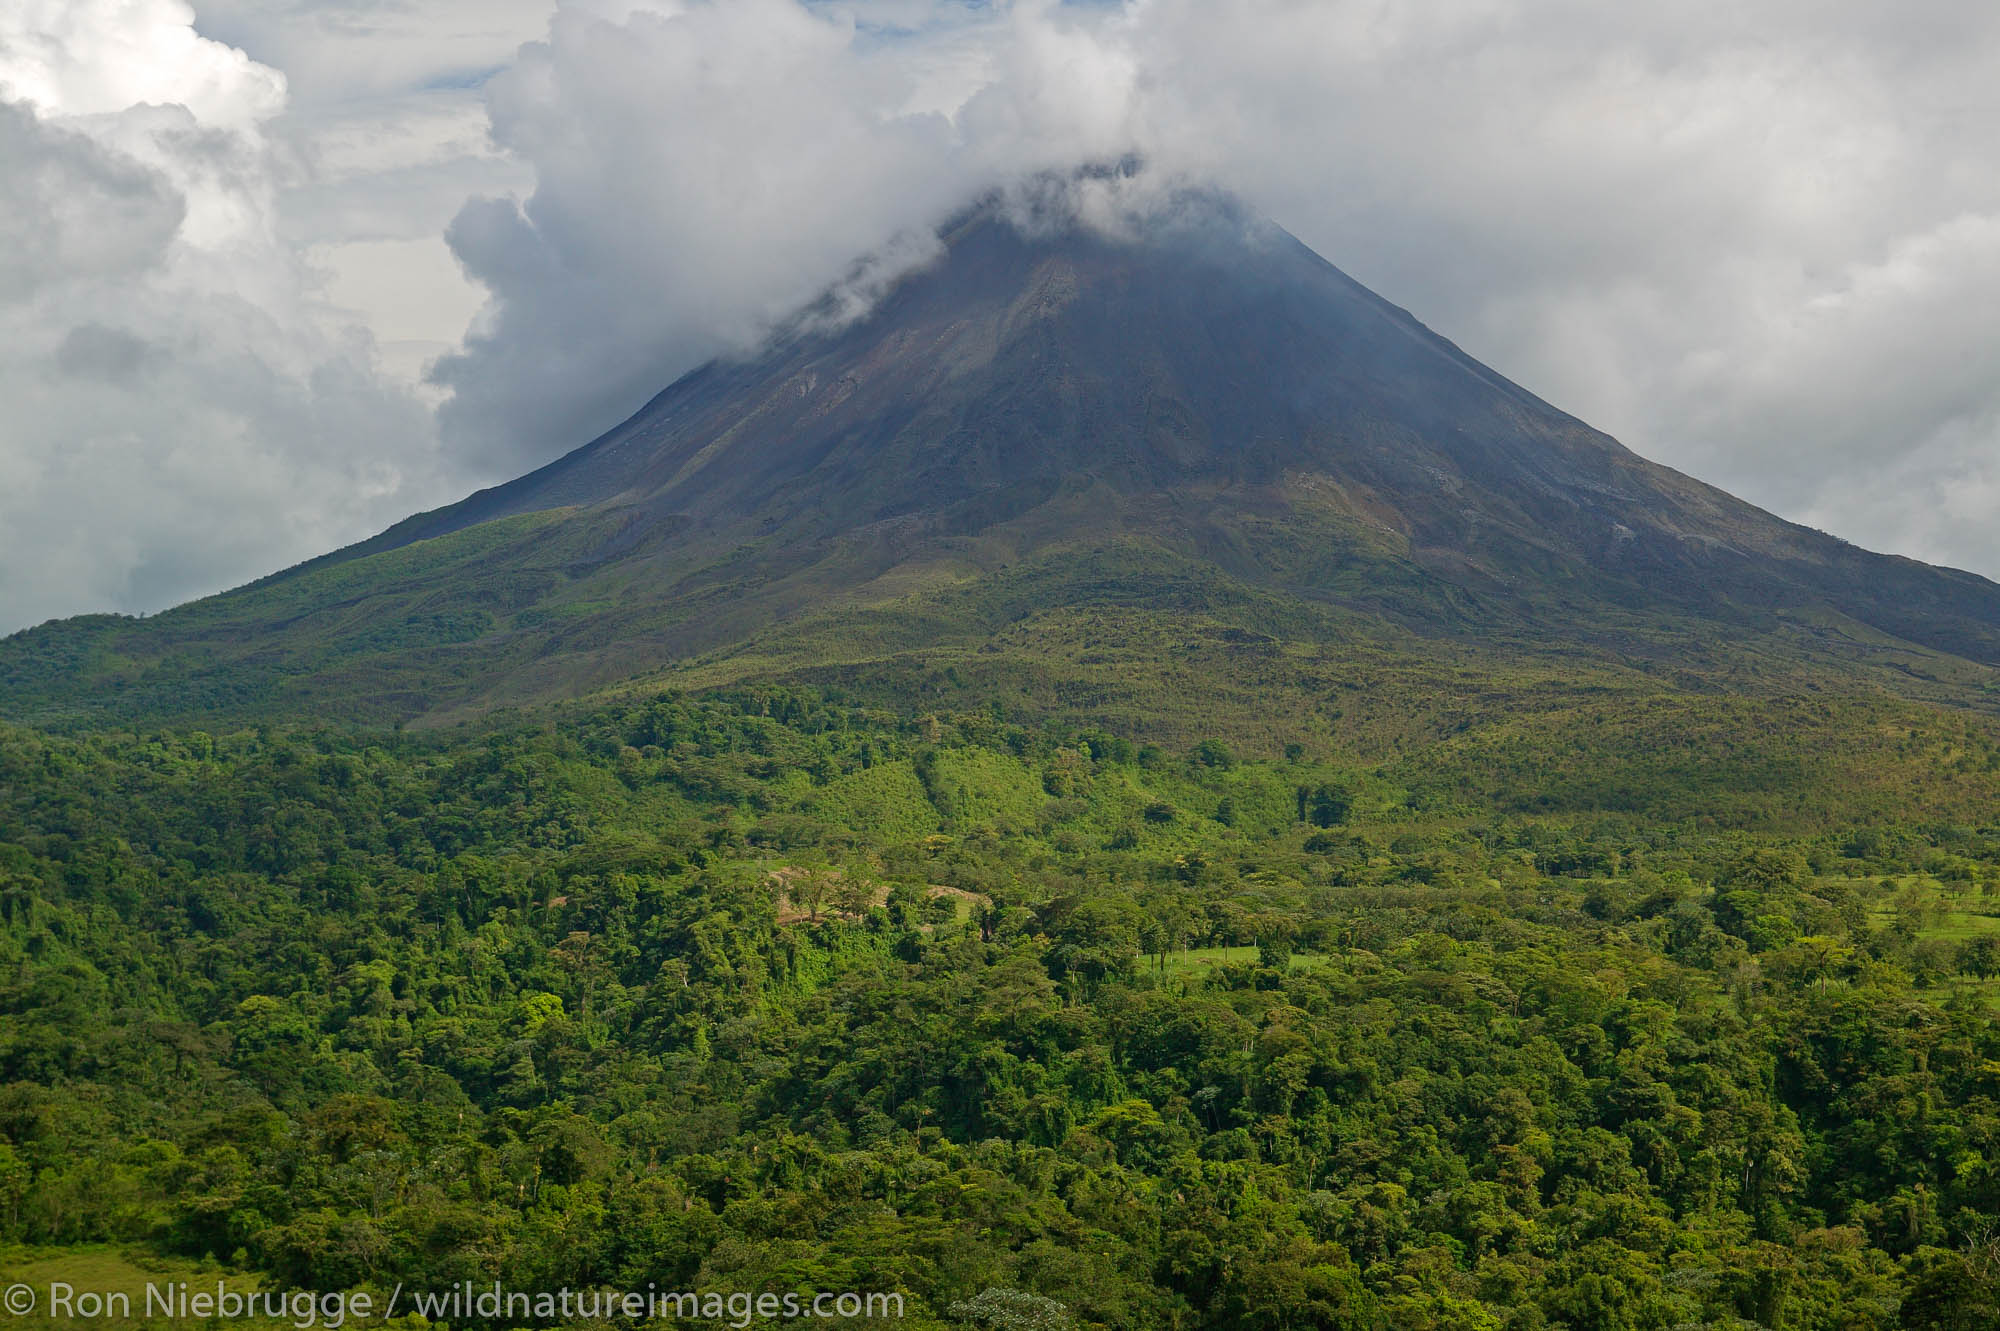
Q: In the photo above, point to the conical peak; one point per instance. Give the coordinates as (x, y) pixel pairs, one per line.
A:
(1170, 339)
(1065, 382)
(1154, 356)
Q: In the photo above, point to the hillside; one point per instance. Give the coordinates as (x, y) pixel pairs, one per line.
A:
(773, 993)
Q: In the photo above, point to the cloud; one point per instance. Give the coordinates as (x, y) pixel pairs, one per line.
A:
(1755, 243)
(702, 172)
(382, 138)
(184, 410)
(74, 209)
(69, 58)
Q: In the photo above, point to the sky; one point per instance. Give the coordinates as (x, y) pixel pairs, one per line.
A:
(277, 273)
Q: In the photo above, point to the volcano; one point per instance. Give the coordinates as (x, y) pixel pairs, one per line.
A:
(1085, 469)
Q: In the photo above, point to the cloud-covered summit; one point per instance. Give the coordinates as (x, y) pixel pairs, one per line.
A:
(703, 170)
(1759, 245)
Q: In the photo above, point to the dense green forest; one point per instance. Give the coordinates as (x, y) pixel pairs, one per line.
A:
(772, 990)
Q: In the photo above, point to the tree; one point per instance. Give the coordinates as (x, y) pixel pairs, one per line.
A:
(1952, 1291)
(1212, 753)
(855, 896)
(580, 955)
(1324, 805)
(812, 888)
(1809, 961)
(1981, 956)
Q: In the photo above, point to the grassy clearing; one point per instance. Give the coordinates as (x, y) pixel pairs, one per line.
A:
(1211, 960)
(1944, 912)
(118, 1276)
(1958, 926)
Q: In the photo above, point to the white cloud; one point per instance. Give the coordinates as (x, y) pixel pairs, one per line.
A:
(342, 55)
(184, 410)
(67, 58)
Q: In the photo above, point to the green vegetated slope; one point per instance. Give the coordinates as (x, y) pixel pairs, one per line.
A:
(1129, 634)
(776, 990)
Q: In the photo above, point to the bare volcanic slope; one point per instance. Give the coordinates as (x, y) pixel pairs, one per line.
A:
(1202, 423)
